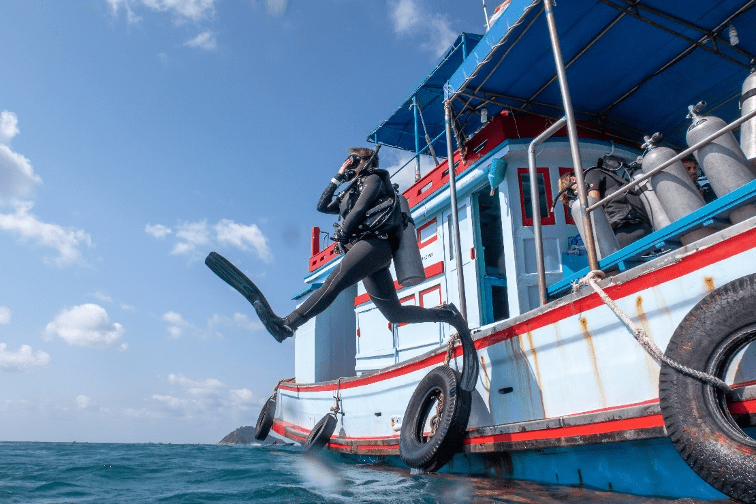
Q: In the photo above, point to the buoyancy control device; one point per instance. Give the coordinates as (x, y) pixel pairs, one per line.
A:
(721, 160)
(748, 128)
(407, 261)
(673, 187)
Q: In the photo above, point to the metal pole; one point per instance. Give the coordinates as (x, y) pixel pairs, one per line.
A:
(417, 140)
(454, 213)
(485, 13)
(535, 200)
(590, 244)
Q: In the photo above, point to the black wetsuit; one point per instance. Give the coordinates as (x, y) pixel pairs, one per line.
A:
(368, 257)
(626, 214)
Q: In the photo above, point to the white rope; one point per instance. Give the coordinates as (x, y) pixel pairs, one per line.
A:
(591, 279)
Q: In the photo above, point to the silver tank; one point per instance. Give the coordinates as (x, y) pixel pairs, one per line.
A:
(748, 128)
(606, 242)
(673, 187)
(407, 261)
(651, 202)
(722, 160)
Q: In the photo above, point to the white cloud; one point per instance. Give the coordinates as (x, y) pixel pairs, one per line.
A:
(205, 40)
(102, 297)
(177, 324)
(195, 239)
(85, 403)
(411, 18)
(8, 126)
(5, 315)
(16, 172)
(181, 10)
(238, 320)
(85, 325)
(28, 227)
(209, 397)
(23, 359)
(158, 230)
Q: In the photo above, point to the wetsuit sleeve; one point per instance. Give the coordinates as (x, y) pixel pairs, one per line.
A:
(327, 204)
(371, 189)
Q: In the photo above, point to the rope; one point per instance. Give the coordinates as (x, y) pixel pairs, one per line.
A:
(337, 397)
(292, 379)
(591, 279)
(450, 348)
(435, 420)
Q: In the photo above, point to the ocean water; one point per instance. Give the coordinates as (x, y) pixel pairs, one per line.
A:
(134, 473)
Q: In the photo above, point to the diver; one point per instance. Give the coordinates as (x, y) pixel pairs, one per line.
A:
(371, 229)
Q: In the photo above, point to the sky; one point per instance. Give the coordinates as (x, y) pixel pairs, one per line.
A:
(136, 136)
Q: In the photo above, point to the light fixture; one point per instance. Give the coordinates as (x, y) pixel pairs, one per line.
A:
(733, 33)
(484, 115)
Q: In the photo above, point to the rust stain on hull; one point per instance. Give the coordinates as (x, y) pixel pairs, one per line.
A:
(594, 362)
(651, 366)
(709, 283)
(529, 336)
(486, 379)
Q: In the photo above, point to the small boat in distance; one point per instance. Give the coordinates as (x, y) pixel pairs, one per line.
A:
(621, 368)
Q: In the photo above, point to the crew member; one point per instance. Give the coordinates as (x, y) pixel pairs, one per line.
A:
(368, 252)
(691, 166)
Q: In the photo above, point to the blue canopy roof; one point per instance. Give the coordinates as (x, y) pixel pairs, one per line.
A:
(632, 65)
(399, 129)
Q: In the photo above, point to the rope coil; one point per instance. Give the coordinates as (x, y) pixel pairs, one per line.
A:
(591, 279)
(337, 397)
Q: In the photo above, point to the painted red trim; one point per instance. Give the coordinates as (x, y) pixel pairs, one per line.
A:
(686, 264)
(431, 289)
(743, 408)
(401, 301)
(567, 215)
(549, 219)
(430, 272)
(430, 240)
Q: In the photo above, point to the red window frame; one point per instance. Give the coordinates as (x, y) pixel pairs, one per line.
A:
(401, 302)
(550, 219)
(431, 289)
(567, 215)
(430, 240)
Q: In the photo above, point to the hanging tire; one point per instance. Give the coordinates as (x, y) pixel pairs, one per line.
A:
(265, 420)
(695, 414)
(430, 453)
(320, 434)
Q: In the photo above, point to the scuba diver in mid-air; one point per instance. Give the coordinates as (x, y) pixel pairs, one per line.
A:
(371, 230)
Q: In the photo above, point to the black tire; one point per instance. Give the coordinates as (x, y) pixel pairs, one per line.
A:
(695, 414)
(431, 453)
(320, 434)
(265, 420)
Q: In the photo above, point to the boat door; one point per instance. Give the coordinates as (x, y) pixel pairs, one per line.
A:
(524, 236)
(467, 246)
(491, 267)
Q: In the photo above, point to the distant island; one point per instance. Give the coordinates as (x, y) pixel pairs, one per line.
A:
(246, 436)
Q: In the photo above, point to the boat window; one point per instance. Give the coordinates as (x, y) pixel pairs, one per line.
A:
(426, 234)
(431, 297)
(544, 182)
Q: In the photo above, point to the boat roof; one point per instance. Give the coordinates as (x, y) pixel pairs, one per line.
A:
(632, 65)
(399, 129)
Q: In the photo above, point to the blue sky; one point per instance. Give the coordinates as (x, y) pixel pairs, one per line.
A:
(138, 135)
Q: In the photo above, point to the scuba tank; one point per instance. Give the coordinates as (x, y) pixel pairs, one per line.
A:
(672, 186)
(651, 203)
(748, 128)
(722, 160)
(407, 261)
(606, 242)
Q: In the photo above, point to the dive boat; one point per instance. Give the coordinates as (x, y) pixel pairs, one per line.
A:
(570, 389)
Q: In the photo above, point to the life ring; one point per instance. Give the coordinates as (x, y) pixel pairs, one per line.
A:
(696, 415)
(265, 420)
(430, 453)
(320, 434)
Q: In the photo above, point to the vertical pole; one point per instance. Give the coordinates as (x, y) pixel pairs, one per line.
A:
(464, 46)
(485, 13)
(454, 213)
(590, 244)
(417, 140)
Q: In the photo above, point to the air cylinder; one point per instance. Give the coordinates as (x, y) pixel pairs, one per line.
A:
(673, 187)
(651, 203)
(721, 160)
(748, 128)
(606, 242)
(407, 261)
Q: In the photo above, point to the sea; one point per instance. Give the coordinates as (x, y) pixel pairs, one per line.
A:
(166, 473)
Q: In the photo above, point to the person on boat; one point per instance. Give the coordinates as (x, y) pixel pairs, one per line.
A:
(626, 214)
(367, 252)
(691, 166)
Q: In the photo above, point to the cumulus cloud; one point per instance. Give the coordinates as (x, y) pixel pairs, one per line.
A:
(205, 40)
(5, 315)
(177, 324)
(192, 398)
(66, 241)
(16, 172)
(85, 325)
(237, 320)
(158, 230)
(194, 239)
(23, 359)
(411, 18)
(85, 403)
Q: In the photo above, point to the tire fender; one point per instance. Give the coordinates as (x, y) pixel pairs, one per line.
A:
(320, 434)
(265, 420)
